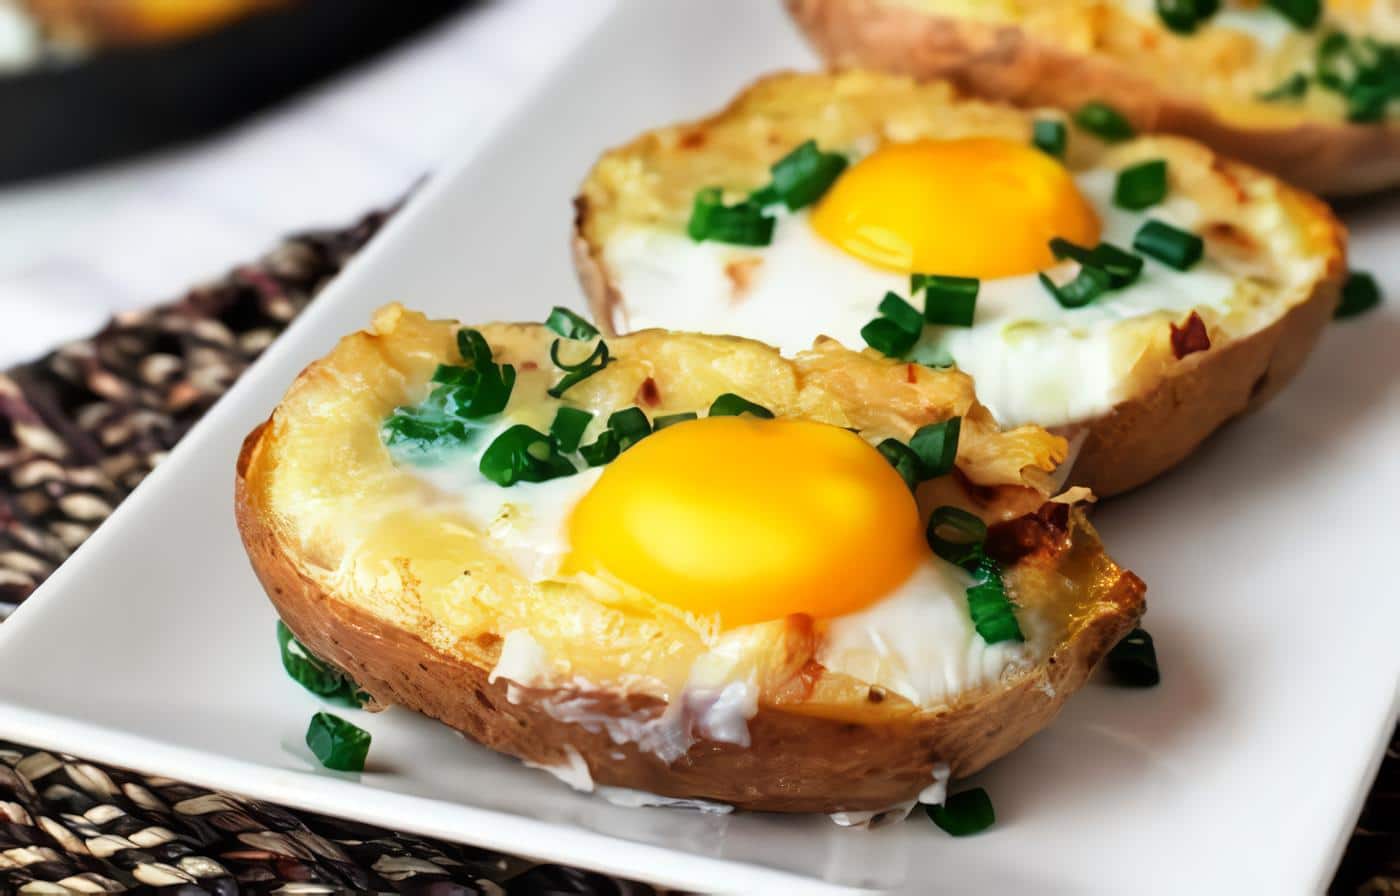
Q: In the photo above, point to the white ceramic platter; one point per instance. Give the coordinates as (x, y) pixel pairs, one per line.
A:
(1269, 560)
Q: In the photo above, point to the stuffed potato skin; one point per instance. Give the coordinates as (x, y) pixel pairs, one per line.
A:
(1173, 402)
(1088, 50)
(818, 742)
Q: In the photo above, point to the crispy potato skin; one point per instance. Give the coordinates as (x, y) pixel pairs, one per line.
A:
(1000, 62)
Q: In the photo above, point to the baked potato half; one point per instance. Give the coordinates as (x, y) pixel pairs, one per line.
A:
(1285, 96)
(937, 184)
(388, 555)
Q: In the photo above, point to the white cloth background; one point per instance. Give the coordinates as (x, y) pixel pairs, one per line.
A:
(77, 248)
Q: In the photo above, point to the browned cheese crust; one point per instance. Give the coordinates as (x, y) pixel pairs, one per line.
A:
(1000, 61)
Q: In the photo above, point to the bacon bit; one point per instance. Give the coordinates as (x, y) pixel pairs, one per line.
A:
(912, 373)
(693, 140)
(1190, 338)
(1043, 530)
(1228, 176)
(876, 694)
(648, 393)
(529, 365)
(740, 273)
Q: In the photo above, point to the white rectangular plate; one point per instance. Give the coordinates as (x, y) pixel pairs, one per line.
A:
(1269, 557)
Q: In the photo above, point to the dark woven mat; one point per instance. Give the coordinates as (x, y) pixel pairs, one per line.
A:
(79, 429)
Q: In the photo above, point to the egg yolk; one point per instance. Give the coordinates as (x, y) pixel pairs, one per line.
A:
(974, 207)
(750, 519)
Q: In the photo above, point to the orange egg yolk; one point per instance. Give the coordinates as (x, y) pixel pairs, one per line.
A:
(750, 519)
(974, 207)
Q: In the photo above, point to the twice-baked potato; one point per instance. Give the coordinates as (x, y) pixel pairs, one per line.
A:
(1310, 98)
(739, 608)
(973, 202)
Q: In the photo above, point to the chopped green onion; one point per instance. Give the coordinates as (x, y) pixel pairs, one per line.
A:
(1369, 102)
(570, 325)
(338, 744)
(1290, 88)
(931, 355)
(454, 375)
(964, 813)
(661, 423)
(423, 431)
(630, 426)
(992, 614)
(1359, 294)
(1050, 136)
(577, 373)
(948, 301)
(603, 449)
(1121, 266)
(1103, 121)
(1087, 285)
(1172, 247)
(764, 197)
(523, 454)
(936, 446)
(803, 175)
(744, 224)
(1366, 72)
(1184, 16)
(904, 315)
(1141, 186)
(473, 348)
(312, 673)
(488, 395)
(1302, 13)
(956, 535)
(567, 428)
(731, 405)
(887, 337)
(903, 459)
(1133, 661)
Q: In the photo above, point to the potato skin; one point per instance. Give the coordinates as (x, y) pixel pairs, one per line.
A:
(1002, 63)
(796, 762)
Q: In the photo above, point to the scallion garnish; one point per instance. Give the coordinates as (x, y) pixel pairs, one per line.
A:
(629, 426)
(569, 325)
(887, 337)
(577, 373)
(743, 224)
(956, 535)
(903, 459)
(1121, 266)
(422, 431)
(936, 446)
(1050, 136)
(666, 420)
(567, 428)
(523, 454)
(731, 405)
(338, 744)
(312, 673)
(1290, 88)
(1103, 121)
(963, 813)
(930, 355)
(1087, 285)
(1172, 247)
(1141, 186)
(948, 301)
(1133, 661)
(1365, 71)
(904, 315)
(1184, 16)
(1302, 13)
(802, 176)
(987, 603)
(1360, 293)
(601, 451)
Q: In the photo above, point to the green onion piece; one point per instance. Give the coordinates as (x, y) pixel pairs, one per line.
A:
(577, 373)
(567, 428)
(312, 673)
(1172, 247)
(764, 197)
(903, 459)
(1103, 121)
(1335, 62)
(1050, 136)
(570, 325)
(1087, 285)
(1369, 102)
(490, 395)
(523, 454)
(931, 354)
(904, 315)
(662, 422)
(630, 426)
(336, 743)
(964, 813)
(473, 347)
(805, 174)
(936, 446)
(454, 375)
(423, 431)
(950, 301)
(1290, 88)
(1359, 294)
(731, 405)
(956, 535)
(744, 224)
(1121, 266)
(1184, 16)
(887, 337)
(1141, 186)
(1133, 661)
(1302, 13)
(992, 614)
(603, 450)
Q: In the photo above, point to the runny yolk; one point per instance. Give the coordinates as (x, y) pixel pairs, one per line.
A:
(751, 519)
(972, 207)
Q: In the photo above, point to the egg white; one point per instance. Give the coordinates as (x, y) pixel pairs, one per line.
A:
(1033, 361)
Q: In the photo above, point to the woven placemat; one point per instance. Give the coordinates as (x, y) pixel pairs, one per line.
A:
(79, 429)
